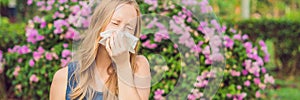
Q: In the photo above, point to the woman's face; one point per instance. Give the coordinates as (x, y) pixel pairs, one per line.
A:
(124, 18)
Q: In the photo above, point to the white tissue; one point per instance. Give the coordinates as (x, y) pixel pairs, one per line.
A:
(131, 39)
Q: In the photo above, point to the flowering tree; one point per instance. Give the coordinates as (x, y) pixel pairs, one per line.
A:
(30, 66)
(244, 75)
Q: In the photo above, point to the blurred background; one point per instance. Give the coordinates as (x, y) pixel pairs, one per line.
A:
(274, 21)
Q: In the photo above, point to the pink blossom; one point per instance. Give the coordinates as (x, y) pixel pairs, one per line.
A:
(48, 56)
(228, 95)
(160, 35)
(57, 14)
(247, 83)
(66, 53)
(72, 34)
(239, 87)
(244, 72)
(16, 71)
(254, 68)
(256, 81)
(19, 60)
(247, 64)
(62, 1)
(147, 44)
(158, 94)
(262, 86)
(269, 79)
(245, 37)
(43, 24)
(235, 73)
(217, 57)
(86, 10)
(19, 87)
(24, 50)
(40, 3)
(267, 58)
(29, 2)
(153, 3)
(189, 2)
(175, 46)
(208, 61)
(228, 42)
(152, 23)
(34, 78)
(58, 30)
(37, 19)
(202, 25)
(33, 36)
(143, 36)
(37, 55)
(58, 25)
(263, 70)
(205, 7)
(206, 50)
(256, 73)
(55, 55)
(50, 2)
(237, 37)
(49, 7)
(215, 41)
(31, 63)
(64, 62)
(1, 55)
(41, 49)
(242, 96)
(65, 45)
(85, 22)
(196, 49)
(257, 94)
(248, 45)
(233, 30)
(191, 97)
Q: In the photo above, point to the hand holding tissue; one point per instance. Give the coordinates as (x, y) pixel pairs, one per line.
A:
(128, 38)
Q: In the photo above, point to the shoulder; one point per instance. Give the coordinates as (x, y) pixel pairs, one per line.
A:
(143, 65)
(59, 84)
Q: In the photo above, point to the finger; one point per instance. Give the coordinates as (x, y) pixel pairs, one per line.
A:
(111, 42)
(118, 42)
(108, 48)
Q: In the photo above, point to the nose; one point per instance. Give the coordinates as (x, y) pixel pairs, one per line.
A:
(122, 27)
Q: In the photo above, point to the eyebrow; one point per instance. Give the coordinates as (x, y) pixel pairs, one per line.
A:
(118, 20)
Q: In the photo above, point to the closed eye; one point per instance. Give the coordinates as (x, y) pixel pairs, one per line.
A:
(130, 28)
(114, 23)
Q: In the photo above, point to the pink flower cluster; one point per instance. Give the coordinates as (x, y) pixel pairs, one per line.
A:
(239, 96)
(158, 94)
(33, 36)
(195, 94)
(153, 3)
(19, 49)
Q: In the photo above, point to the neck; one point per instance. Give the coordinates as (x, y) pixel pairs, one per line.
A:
(102, 59)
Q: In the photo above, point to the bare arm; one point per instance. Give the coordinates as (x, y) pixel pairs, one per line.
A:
(134, 86)
(59, 84)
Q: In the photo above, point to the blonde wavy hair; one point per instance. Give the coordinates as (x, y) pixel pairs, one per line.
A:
(87, 51)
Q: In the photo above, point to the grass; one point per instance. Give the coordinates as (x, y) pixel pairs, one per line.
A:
(286, 89)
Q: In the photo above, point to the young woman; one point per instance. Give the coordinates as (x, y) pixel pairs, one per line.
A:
(106, 72)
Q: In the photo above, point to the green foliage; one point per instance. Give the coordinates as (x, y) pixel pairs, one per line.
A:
(285, 36)
(11, 33)
(4, 2)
